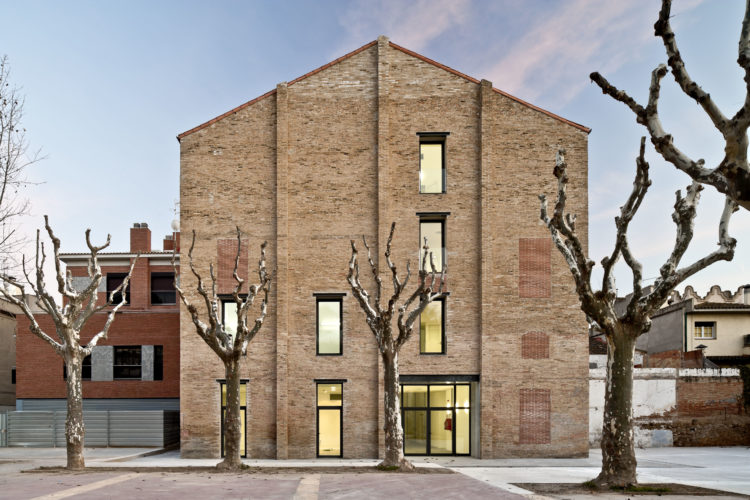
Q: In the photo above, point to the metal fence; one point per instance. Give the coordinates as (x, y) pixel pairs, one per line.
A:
(3, 427)
(103, 428)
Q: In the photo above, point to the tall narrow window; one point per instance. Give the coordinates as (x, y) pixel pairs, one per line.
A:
(113, 281)
(330, 397)
(432, 328)
(229, 316)
(431, 166)
(162, 289)
(243, 412)
(158, 362)
(434, 230)
(329, 325)
(127, 362)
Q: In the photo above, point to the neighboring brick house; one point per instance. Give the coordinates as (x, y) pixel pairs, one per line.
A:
(720, 322)
(8, 314)
(137, 366)
(384, 134)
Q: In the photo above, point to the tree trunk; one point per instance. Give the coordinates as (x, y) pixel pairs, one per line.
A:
(394, 433)
(618, 452)
(74, 429)
(232, 424)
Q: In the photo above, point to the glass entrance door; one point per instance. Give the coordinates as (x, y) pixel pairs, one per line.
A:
(330, 402)
(436, 419)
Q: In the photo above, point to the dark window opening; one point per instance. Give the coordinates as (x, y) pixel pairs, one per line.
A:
(85, 369)
(162, 289)
(158, 362)
(127, 362)
(13, 375)
(113, 281)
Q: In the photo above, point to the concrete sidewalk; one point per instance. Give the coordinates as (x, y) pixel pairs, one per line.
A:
(726, 469)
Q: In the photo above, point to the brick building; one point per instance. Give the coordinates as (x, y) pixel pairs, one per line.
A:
(137, 367)
(383, 134)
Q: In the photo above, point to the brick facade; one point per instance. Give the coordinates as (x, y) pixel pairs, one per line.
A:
(334, 155)
(139, 323)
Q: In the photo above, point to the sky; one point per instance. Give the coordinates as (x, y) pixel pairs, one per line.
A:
(109, 86)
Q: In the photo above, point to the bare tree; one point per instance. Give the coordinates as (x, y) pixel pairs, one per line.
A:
(732, 175)
(379, 317)
(70, 317)
(229, 346)
(622, 330)
(14, 158)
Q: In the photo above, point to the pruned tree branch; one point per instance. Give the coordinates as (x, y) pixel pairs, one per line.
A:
(69, 319)
(15, 158)
(732, 175)
(227, 346)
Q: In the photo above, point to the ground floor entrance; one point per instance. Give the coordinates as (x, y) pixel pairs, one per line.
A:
(436, 418)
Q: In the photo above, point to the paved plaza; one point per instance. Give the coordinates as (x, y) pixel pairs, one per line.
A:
(134, 473)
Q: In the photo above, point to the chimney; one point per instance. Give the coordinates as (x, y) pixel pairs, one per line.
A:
(168, 243)
(140, 238)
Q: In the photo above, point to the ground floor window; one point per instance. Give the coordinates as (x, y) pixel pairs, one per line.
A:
(436, 418)
(243, 412)
(330, 402)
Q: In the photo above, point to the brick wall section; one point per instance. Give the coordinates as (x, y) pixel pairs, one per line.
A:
(706, 396)
(534, 267)
(535, 345)
(317, 163)
(40, 370)
(226, 251)
(140, 239)
(534, 416)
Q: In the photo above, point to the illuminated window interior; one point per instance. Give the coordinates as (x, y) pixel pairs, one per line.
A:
(431, 167)
(433, 231)
(330, 403)
(243, 411)
(431, 329)
(329, 326)
(436, 419)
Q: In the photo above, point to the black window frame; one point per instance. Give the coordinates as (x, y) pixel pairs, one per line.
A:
(243, 406)
(329, 297)
(163, 292)
(229, 299)
(115, 365)
(117, 298)
(431, 218)
(319, 408)
(428, 408)
(443, 338)
(13, 376)
(434, 138)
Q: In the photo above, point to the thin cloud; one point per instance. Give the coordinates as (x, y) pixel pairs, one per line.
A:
(573, 40)
(412, 24)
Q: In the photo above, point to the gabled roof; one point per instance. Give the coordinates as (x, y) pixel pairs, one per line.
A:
(357, 51)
